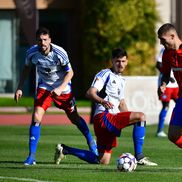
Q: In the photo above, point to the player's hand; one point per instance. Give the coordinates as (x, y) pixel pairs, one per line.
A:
(18, 95)
(161, 89)
(107, 104)
(56, 92)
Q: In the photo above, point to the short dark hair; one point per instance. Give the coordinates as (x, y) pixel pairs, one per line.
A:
(42, 31)
(119, 52)
(165, 28)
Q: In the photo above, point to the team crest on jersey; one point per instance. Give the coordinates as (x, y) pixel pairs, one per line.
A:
(164, 96)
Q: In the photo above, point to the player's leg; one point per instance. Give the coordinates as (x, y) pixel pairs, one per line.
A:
(106, 140)
(162, 117)
(86, 155)
(175, 126)
(42, 102)
(105, 158)
(82, 126)
(137, 119)
(34, 134)
(139, 131)
(67, 103)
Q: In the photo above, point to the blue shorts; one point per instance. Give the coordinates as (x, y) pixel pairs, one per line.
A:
(176, 117)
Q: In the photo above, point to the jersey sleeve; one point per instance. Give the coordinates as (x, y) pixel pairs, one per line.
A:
(30, 52)
(99, 80)
(166, 66)
(63, 57)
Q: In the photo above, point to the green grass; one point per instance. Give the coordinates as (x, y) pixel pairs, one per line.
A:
(14, 149)
(28, 102)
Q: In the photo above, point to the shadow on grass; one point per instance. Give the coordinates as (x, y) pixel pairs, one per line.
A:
(85, 167)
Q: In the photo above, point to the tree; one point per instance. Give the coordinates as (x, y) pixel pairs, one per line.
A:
(119, 23)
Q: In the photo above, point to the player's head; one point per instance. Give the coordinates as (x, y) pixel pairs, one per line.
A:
(43, 39)
(167, 35)
(119, 60)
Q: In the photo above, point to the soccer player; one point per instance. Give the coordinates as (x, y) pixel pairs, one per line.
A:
(171, 93)
(54, 85)
(172, 60)
(111, 115)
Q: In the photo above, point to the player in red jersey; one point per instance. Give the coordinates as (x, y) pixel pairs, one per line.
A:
(172, 60)
(171, 93)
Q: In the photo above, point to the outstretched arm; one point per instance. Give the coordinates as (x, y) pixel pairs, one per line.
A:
(24, 74)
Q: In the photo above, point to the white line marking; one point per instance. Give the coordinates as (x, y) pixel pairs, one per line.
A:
(21, 179)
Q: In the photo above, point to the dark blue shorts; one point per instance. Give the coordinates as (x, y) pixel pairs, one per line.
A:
(176, 118)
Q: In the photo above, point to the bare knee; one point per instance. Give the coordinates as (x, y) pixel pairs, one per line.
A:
(36, 118)
(137, 116)
(105, 158)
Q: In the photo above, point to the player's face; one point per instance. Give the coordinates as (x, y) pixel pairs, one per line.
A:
(119, 64)
(43, 42)
(167, 40)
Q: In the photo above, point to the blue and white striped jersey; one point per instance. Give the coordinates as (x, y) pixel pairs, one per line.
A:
(51, 68)
(110, 87)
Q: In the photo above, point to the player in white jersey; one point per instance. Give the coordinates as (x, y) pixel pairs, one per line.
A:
(171, 93)
(111, 115)
(54, 85)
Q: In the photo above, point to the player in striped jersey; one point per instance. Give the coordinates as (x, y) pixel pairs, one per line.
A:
(172, 60)
(111, 115)
(54, 85)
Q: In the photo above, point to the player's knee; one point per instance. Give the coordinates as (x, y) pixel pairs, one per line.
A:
(142, 116)
(104, 161)
(36, 118)
(104, 158)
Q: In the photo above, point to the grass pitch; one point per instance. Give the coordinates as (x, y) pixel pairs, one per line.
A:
(14, 150)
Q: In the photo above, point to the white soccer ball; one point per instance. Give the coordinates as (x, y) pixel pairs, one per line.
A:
(126, 162)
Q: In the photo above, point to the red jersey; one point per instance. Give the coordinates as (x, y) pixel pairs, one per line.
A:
(172, 60)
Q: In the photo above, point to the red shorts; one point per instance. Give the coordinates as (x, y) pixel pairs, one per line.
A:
(170, 93)
(107, 127)
(44, 99)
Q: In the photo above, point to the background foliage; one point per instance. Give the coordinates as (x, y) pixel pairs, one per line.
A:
(119, 23)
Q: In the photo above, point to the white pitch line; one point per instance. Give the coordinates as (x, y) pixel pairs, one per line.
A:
(21, 179)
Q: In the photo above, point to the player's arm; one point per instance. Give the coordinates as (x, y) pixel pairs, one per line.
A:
(24, 74)
(123, 106)
(159, 66)
(164, 81)
(67, 78)
(92, 95)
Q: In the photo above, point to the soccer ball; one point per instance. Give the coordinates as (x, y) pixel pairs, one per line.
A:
(126, 162)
